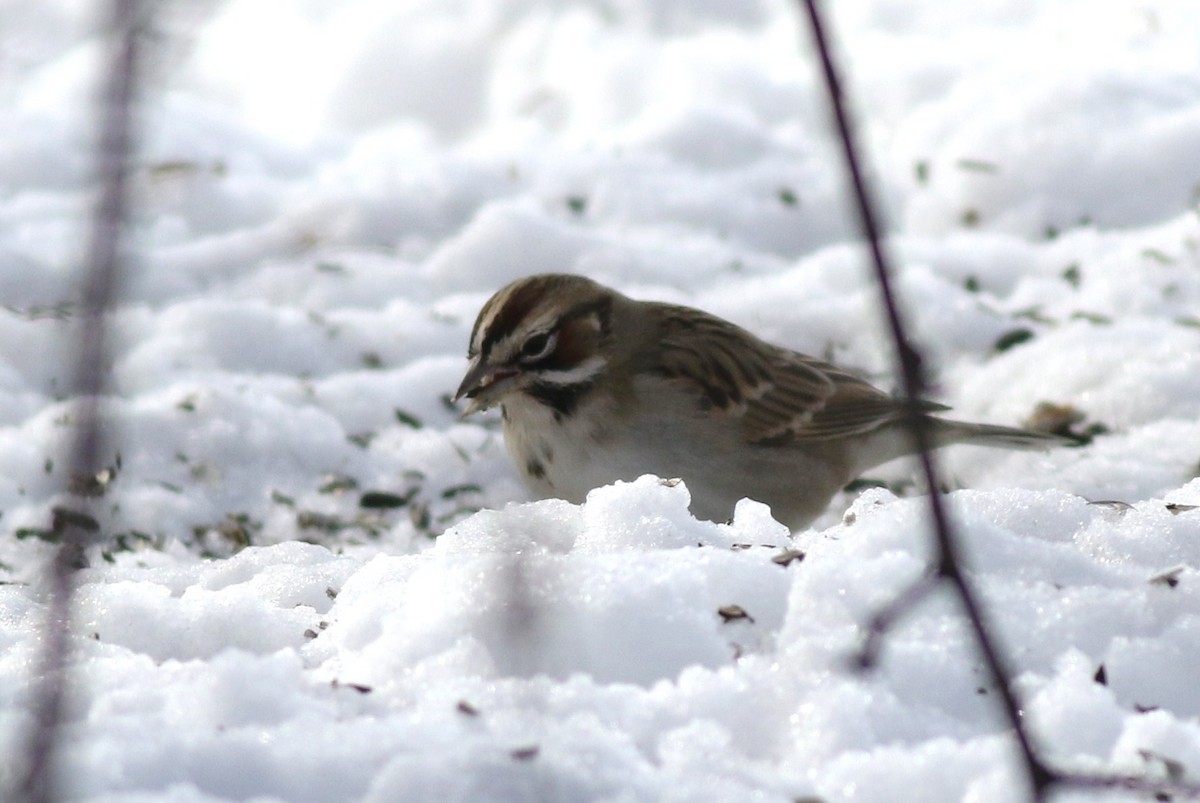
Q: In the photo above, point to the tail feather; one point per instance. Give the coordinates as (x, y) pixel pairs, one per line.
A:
(946, 432)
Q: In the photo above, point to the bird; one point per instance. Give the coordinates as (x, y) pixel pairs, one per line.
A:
(596, 387)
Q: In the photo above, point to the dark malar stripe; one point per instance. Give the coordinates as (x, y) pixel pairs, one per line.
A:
(562, 399)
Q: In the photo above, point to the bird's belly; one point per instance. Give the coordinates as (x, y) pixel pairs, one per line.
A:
(568, 459)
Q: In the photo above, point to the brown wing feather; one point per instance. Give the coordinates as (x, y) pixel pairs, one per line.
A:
(736, 372)
(853, 406)
(780, 396)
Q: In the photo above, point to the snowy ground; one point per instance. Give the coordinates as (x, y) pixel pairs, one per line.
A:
(328, 192)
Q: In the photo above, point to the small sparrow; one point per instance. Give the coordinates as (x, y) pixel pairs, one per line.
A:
(596, 387)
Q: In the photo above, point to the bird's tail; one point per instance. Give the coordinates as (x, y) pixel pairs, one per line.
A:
(946, 432)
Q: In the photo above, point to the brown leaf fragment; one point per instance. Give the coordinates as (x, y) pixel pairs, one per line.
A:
(383, 500)
(1064, 420)
(337, 484)
(788, 557)
(65, 517)
(526, 753)
(1169, 578)
(1053, 418)
(315, 520)
(732, 613)
(1111, 504)
(1013, 337)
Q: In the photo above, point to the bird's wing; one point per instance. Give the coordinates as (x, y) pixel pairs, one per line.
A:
(777, 396)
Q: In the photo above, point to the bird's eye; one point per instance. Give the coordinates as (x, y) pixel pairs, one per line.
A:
(537, 346)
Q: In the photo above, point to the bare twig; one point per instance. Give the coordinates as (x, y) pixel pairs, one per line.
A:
(948, 568)
(883, 620)
(102, 266)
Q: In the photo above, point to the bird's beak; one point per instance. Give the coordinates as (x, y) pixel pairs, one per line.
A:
(483, 385)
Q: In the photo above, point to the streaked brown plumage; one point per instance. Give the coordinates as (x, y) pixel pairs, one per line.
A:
(597, 387)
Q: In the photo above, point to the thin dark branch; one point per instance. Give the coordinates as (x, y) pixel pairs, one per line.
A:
(1042, 779)
(913, 384)
(102, 272)
(883, 620)
(1161, 789)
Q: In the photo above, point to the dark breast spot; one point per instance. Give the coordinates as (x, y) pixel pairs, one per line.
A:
(561, 399)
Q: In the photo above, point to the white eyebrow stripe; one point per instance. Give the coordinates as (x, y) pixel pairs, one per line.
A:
(576, 375)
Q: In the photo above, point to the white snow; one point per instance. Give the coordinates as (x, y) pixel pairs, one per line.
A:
(326, 194)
